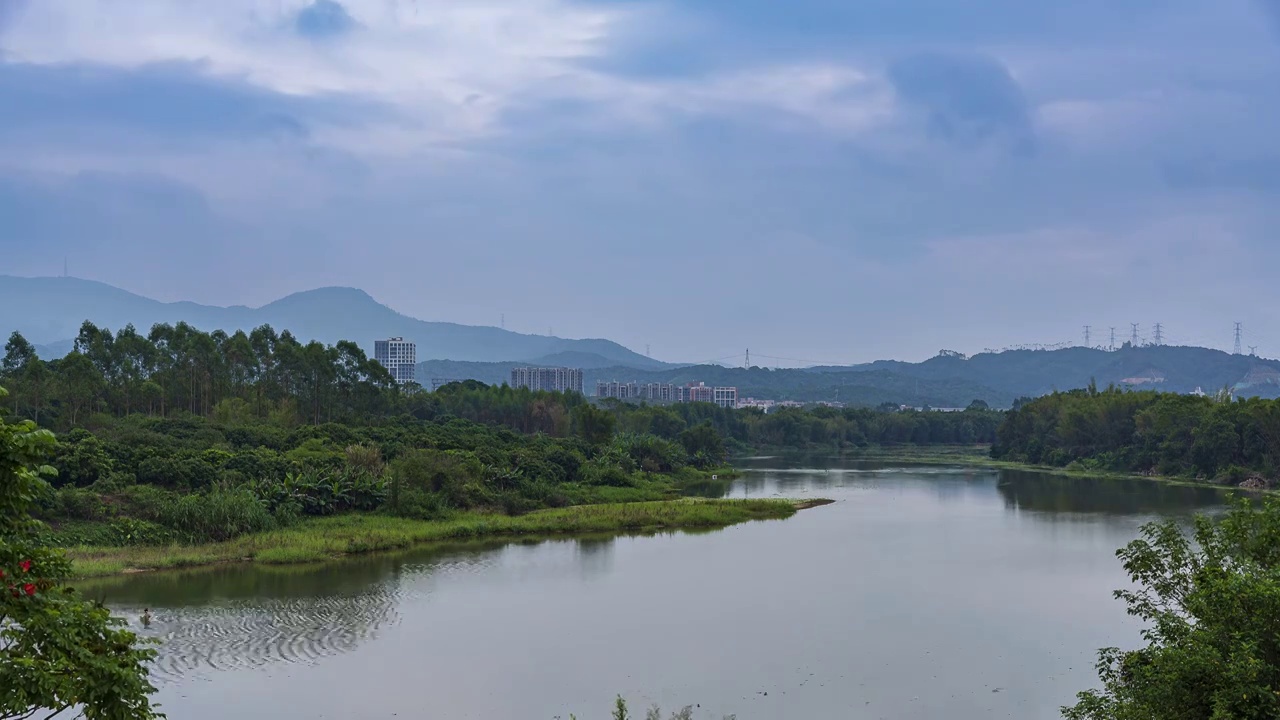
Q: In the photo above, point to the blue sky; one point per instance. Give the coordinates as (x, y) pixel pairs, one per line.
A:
(829, 180)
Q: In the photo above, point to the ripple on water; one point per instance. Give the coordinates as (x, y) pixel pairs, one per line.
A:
(245, 636)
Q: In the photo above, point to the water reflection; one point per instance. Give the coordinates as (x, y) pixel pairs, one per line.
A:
(913, 596)
(1055, 496)
(1058, 494)
(595, 556)
(248, 616)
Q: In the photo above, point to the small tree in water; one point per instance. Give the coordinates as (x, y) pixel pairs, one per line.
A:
(1212, 603)
(57, 651)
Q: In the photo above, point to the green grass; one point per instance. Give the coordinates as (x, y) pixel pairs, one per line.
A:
(325, 538)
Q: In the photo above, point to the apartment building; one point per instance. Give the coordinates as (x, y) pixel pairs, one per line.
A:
(399, 357)
(551, 379)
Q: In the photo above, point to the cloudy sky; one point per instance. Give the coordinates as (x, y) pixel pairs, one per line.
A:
(826, 180)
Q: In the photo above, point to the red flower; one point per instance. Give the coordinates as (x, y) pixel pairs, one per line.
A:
(29, 589)
(25, 565)
(1, 573)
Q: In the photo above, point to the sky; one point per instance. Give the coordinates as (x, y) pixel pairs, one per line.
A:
(821, 181)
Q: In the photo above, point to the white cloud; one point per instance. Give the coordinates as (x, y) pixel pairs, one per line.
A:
(446, 70)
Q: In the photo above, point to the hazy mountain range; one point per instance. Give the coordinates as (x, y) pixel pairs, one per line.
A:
(947, 380)
(49, 311)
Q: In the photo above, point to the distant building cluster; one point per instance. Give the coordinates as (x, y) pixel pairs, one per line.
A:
(399, 357)
(652, 392)
(767, 405)
(726, 397)
(551, 379)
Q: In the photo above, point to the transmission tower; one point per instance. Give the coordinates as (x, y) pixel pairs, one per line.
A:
(747, 364)
(1239, 336)
(1134, 340)
(1113, 339)
(1158, 339)
(1087, 330)
(1253, 351)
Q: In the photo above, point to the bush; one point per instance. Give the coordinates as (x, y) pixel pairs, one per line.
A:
(76, 504)
(419, 505)
(604, 473)
(81, 459)
(651, 453)
(184, 471)
(215, 516)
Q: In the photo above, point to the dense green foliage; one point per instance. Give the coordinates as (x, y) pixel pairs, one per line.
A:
(57, 651)
(237, 377)
(800, 428)
(1147, 432)
(1211, 603)
(194, 437)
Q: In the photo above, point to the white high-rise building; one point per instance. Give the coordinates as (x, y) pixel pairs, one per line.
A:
(398, 356)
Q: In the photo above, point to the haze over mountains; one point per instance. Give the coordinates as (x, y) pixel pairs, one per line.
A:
(49, 311)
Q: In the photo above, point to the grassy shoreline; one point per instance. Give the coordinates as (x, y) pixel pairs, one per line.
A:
(329, 538)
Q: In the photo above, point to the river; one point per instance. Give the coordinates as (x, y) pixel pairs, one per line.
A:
(923, 592)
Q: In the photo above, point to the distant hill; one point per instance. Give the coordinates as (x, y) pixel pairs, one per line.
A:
(854, 387)
(49, 311)
(950, 380)
(1036, 372)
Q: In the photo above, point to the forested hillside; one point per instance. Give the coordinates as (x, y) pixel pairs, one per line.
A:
(948, 380)
(863, 388)
(1147, 432)
(1031, 373)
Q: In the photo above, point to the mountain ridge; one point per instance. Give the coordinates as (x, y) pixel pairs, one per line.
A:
(949, 380)
(49, 311)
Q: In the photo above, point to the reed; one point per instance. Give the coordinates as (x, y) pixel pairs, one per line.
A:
(331, 537)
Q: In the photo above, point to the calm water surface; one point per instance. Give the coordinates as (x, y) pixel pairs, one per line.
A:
(924, 592)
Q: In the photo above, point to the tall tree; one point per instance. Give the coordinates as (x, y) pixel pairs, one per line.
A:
(80, 384)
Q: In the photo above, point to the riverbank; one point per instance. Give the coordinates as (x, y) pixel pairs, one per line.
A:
(327, 538)
(979, 456)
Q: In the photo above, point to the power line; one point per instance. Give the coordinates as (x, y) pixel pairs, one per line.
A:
(1239, 336)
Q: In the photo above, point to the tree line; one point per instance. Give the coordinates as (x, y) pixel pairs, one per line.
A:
(180, 369)
(268, 376)
(1210, 438)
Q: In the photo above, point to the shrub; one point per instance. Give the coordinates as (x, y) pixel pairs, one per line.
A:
(81, 459)
(77, 504)
(365, 458)
(177, 471)
(215, 516)
(418, 504)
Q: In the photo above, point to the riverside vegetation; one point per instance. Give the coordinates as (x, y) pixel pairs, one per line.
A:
(1209, 439)
(182, 447)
